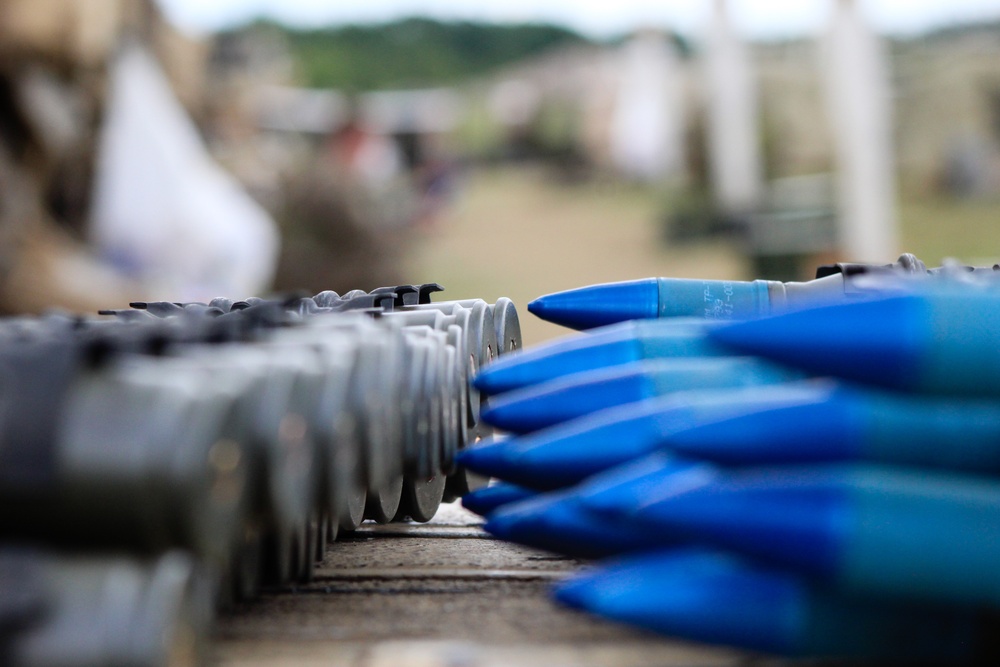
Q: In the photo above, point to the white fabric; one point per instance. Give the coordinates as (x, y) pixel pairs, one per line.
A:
(163, 211)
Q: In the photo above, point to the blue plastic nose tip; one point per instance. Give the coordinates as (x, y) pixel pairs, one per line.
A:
(695, 594)
(535, 408)
(513, 526)
(489, 499)
(555, 522)
(620, 492)
(599, 305)
(872, 341)
(799, 422)
(491, 458)
(581, 592)
(779, 515)
(514, 419)
(502, 375)
(575, 353)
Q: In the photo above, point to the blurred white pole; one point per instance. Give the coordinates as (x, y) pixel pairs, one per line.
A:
(858, 92)
(732, 123)
(647, 125)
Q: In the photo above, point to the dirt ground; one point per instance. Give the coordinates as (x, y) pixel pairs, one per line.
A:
(442, 594)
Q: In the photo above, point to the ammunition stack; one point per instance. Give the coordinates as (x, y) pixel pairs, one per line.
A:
(166, 460)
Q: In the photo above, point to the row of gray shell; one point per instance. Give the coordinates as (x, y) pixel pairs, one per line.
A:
(219, 450)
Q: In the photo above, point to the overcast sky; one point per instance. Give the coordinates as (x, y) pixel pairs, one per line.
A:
(599, 18)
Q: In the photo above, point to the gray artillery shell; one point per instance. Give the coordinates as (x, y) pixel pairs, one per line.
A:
(279, 442)
(506, 323)
(378, 387)
(340, 420)
(151, 460)
(507, 326)
(112, 612)
(424, 481)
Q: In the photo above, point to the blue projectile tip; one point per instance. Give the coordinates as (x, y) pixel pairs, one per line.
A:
(504, 374)
(512, 460)
(493, 458)
(505, 528)
(522, 522)
(598, 305)
(578, 592)
(618, 492)
(564, 455)
(489, 380)
(695, 594)
(718, 598)
(878, 341)
(793, 516)
(809, 421)
(564, 399)
(571, 354)
(488, 499)
(556, 522)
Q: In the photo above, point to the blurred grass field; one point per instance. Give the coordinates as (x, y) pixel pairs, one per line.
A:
(516, 232)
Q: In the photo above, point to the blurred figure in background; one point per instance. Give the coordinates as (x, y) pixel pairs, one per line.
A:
(346, 213)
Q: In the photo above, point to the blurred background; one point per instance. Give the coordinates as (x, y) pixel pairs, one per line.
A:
(186, 149)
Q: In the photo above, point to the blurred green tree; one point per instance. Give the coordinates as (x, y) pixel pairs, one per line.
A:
(412, 52)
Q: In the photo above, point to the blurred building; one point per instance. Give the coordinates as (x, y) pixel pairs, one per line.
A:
(945, 90)
(948, 111)
(625, 109)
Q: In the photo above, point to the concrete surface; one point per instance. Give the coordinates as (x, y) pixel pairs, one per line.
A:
(442, 594)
